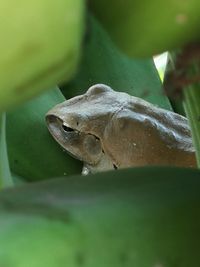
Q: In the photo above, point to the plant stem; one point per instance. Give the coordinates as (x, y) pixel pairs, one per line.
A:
(184, 80)
(192, 108)
(5, 175)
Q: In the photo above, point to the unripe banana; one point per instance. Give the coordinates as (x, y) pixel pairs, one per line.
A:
(136, 217)
(40, 43)
(145, 28)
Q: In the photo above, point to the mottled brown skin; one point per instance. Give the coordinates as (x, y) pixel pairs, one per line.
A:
(107, 129)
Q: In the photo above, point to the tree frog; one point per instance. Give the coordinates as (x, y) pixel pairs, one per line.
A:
(110, 130)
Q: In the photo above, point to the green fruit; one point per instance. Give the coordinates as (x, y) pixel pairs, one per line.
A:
(40, 43)
(135, 217)
(33, 153)
(102, 62)
(145, 28)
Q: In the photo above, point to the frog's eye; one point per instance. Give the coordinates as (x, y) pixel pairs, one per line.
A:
(66, 128)
(98, 89)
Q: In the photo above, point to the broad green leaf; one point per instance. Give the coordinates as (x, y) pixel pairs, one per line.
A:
(33, 153)
(102, 62)
(5, 175)
(135, 217)
(146, 28)
(40, 43)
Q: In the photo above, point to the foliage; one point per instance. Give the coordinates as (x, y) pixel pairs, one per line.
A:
(104, 220)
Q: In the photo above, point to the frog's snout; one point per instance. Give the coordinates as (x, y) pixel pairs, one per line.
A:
(55, 122)
(53, 125)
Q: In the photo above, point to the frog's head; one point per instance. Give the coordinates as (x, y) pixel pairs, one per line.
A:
(78, 125)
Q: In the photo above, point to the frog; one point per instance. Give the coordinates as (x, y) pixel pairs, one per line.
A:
(110, 130)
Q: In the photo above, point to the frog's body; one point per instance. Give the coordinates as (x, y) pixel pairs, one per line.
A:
(107, 129)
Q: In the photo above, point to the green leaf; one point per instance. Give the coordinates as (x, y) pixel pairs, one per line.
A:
(5, 175)
(40, 43)
(33, 153)
(18, 180)
(102, 62)
(134, 217)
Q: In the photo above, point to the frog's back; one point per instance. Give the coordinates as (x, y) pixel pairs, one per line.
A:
(147, 135)
(172, 127)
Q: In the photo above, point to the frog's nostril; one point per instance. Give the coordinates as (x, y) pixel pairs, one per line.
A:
(66, 128)
(51, 119)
